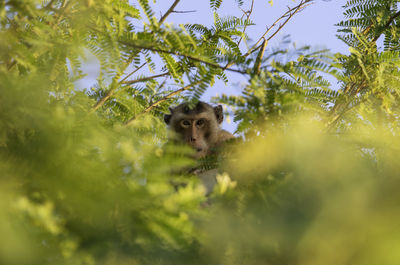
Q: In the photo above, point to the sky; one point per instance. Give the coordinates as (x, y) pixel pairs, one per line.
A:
(314, 26)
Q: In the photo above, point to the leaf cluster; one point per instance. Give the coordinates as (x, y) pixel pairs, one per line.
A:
(86, 176)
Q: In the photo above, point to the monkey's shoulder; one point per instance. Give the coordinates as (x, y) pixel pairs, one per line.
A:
(224, 136)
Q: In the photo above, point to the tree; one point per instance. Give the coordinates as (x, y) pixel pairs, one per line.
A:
(85, 175)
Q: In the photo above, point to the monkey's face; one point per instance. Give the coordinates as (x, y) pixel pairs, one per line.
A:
(195, 132)
(197, 127)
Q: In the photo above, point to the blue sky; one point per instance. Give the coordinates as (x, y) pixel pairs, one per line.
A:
(314, 26)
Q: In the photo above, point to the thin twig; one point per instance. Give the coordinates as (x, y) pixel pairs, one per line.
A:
(247, 14)
(158, 102)
(169, 11)
(111, 91)
(113, 86)
(184, 12)
(288, 15)
(131, 73)
(145, 79)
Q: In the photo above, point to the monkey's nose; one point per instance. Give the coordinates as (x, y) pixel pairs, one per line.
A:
(192, 139)
(199, 149)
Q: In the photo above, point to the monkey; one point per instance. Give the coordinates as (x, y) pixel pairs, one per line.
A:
(199, 127)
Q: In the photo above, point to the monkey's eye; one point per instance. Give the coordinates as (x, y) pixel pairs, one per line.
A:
(185, 123)
(200, 123)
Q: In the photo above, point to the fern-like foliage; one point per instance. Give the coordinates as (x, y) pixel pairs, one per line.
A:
(191, 54)
(215, 4)
(285, 87)
(371, 30)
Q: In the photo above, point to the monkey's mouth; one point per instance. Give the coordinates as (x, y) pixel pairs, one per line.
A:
(199, 149)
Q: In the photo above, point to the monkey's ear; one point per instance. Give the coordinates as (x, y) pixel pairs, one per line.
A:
(167, 118)
(219, 114)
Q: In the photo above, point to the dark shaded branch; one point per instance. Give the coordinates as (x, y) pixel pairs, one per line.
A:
(158, 102)
(101, 101)
(169, 11)
(387, 25)
(11, 65)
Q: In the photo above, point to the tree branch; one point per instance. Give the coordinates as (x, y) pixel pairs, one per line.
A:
(169, 11)
(158, 102)
(183, 12)
(288, 15)
(257, 65)
(113, 86)
(153, 49)
(144, 79)
(350, 87)
(101, 101)
(110, 92)
(247, 14)
(387, 25)
(134, 71)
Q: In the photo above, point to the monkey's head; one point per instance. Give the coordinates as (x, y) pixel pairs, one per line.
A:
(197, 126)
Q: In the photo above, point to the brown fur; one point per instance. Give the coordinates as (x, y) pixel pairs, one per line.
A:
(199, 127)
